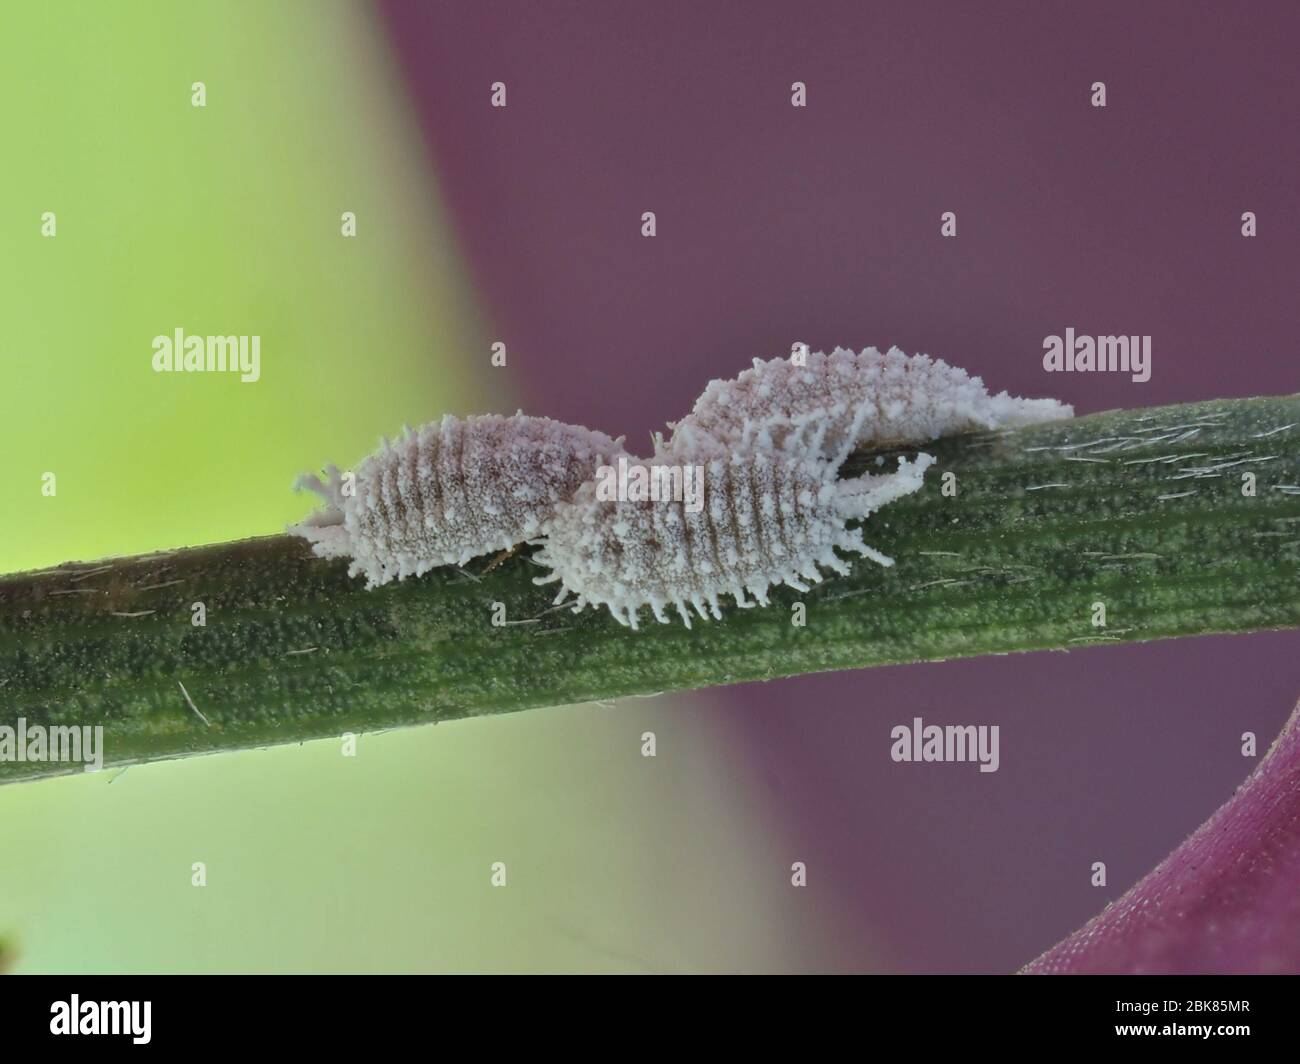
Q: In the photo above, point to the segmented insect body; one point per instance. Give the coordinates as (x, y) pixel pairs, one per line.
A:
(451, 491)
(861, 398)
(770, 517)
(773, 440)
(770, 442)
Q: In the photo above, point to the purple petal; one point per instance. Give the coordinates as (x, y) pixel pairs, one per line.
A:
(1227, 900)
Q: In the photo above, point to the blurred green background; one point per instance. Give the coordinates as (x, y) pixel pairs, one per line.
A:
(226, 220)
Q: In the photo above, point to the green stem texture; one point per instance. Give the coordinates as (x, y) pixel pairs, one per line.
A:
(1112, 528)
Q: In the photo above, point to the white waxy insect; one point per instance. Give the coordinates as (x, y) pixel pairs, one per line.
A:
(451, 491)
(770, 444)
(773, 441)
(862, 399)
(770, 517)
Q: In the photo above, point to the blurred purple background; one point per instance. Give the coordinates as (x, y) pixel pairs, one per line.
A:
(821, 224)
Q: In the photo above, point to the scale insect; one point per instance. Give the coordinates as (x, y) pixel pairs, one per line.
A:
(769, 445)
(451, 491)
(773, 440)
(773, 516)
(863, 399)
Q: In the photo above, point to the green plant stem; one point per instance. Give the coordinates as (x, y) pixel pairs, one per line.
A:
(1141, 513)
